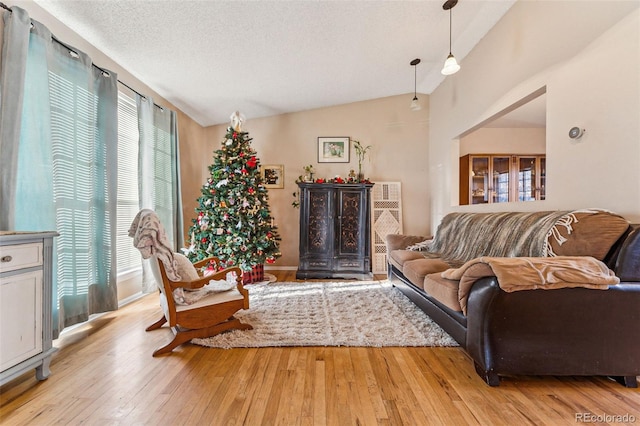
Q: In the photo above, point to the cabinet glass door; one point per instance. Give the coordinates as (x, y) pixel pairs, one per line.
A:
(543, 178)
(501, 177)
(479, 180)
(527, 178)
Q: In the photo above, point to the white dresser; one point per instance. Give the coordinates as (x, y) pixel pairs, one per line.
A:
(25, 303)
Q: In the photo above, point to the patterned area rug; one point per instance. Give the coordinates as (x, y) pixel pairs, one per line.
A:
(349, 313)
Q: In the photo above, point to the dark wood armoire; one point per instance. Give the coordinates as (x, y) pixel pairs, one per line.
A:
(335, 231)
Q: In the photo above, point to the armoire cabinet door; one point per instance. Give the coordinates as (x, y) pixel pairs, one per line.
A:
(350, 232)
(316, 229)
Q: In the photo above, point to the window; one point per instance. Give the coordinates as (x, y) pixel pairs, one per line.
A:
(79, 184)
(128, 257)
(163, 179)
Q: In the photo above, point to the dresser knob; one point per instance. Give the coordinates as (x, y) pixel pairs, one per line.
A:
(6, 259)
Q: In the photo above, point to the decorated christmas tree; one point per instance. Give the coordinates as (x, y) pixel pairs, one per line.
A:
(233, 221)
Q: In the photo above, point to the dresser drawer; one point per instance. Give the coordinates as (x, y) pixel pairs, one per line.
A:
(20, 256)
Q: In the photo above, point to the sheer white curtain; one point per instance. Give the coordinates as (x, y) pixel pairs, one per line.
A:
(58, 156)
(159, 172)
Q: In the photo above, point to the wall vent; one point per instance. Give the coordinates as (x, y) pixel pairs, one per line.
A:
(386, 219)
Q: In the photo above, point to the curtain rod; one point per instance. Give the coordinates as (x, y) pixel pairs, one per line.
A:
(4, 6)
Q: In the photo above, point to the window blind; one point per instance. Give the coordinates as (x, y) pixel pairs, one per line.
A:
(128, 257)
(76, 170)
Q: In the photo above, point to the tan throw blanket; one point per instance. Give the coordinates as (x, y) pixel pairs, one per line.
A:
(530, 273)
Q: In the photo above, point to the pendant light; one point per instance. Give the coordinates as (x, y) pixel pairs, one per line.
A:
(450, 65)
(415, 106)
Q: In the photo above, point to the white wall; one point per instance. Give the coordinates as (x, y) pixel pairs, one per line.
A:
(587, 54)
(504, 141)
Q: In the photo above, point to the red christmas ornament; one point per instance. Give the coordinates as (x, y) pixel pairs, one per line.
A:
(235, 135)
(270, 260)
(252, 162)
(251, 190)
(203, 240)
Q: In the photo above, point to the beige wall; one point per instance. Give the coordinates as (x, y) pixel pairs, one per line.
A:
(587, 54)
(192, 140)
(397, 134)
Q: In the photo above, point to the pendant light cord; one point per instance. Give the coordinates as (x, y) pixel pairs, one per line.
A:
(450, 21)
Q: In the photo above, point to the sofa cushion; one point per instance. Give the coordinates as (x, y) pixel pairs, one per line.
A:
(416, 270)
(443, 290)
(399, 257)
(588, 233)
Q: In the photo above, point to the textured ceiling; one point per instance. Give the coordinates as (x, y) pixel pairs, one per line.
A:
(210, 58)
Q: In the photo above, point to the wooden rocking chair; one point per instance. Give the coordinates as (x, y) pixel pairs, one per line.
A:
(207, 317)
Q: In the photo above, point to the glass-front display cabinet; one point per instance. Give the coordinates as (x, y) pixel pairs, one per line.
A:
(501, 178)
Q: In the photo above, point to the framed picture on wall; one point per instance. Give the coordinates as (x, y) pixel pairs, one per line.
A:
(272, 175)
(333, 149)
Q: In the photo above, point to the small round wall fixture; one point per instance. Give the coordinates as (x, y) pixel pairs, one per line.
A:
(576, 132)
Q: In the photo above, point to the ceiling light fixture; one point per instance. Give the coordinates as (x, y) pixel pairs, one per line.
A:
(450, 65)
(415, 106)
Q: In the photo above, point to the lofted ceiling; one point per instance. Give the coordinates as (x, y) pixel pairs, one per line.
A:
(210, 58)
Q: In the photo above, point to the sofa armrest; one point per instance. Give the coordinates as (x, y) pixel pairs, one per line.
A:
(628, 262)
(571, 331)
(401, 242)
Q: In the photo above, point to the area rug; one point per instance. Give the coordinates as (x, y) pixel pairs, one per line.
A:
(349, 313)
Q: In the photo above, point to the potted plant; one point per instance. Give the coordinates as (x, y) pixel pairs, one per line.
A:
(308, 177)
(360, 152)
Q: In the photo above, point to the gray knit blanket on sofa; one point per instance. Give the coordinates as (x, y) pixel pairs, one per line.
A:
(464, 236)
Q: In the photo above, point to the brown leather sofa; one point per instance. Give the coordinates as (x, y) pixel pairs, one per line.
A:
(561, 332)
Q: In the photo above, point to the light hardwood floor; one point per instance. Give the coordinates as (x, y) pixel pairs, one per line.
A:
(104, 374)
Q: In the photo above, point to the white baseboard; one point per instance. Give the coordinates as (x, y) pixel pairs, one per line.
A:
(130, 299)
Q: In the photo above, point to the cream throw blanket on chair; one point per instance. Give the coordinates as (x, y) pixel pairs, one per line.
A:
(150, 238)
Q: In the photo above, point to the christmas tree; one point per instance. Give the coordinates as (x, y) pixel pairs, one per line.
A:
(234, 222)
